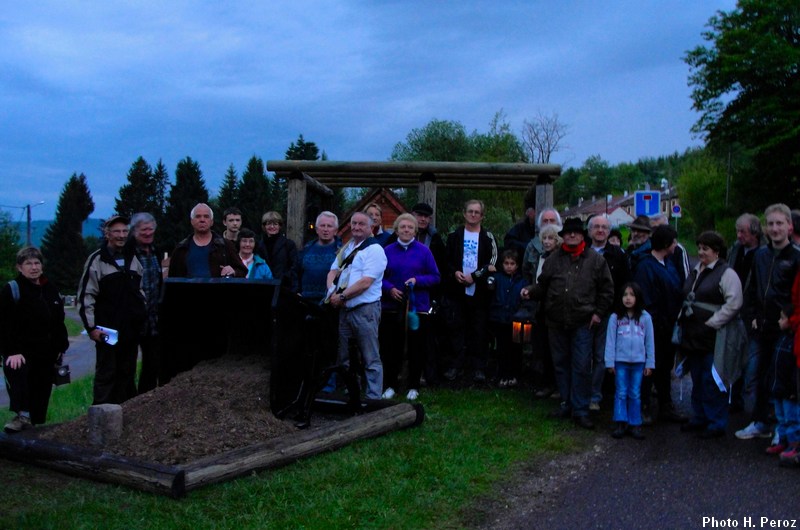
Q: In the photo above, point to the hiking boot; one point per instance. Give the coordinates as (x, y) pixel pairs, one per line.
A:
(636, 433)
(619, 431)
(388, 393)
(754, 430)
(18, 424)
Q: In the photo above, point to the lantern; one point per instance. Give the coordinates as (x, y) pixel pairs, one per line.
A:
(521, 327)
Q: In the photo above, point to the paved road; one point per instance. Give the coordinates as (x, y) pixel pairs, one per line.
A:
(80, 357)
(670, 480)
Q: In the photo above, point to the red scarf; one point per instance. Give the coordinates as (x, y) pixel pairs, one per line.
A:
(574, 252)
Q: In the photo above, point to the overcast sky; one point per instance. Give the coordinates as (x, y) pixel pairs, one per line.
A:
(87, 87)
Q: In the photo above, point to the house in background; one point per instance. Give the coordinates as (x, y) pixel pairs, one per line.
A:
(385, 198)
(620, 208)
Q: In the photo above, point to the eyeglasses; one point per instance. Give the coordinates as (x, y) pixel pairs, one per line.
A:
(270, 223)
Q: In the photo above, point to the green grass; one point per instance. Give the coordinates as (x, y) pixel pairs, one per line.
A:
(74, 328)
(423, 477)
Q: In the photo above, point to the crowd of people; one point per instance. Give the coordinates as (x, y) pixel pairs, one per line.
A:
(610, 326)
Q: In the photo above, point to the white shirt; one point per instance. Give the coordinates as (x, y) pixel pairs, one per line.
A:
(370, 262)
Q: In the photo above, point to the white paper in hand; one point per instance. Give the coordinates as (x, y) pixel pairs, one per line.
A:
(111, 335)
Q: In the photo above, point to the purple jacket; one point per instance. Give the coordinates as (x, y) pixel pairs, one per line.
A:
(415, 261)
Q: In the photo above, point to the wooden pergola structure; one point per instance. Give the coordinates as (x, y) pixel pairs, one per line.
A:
(320, 176)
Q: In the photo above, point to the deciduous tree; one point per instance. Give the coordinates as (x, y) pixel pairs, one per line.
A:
(746, 85)
(542, 136)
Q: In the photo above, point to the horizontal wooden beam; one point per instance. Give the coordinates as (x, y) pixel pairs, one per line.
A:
(316, 168)
(95, 465)
(288, 449)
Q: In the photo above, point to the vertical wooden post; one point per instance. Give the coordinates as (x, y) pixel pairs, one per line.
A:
(544, 193)
(427, 193)
(296, 208)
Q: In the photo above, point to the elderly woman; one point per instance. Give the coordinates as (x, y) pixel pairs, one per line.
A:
(257, 268)
(713, 297)
(32, 339)
(410, 273)
(278, 251)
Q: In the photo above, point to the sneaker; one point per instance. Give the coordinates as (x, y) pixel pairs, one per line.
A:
(753, 431)
(776, 439)
(594, 406)
(388, 393)
(18, 424)
(776, 449)
(544, 392)
(412, 395)
(503, 383)
(479, 376)
(556, 395)
(791, 456)
(511, 383)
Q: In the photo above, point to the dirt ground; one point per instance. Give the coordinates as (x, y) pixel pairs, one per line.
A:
(219, 405)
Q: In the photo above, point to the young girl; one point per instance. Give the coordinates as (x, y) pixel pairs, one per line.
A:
(630, 354)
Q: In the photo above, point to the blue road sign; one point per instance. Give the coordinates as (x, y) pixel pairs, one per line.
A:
(647, 203)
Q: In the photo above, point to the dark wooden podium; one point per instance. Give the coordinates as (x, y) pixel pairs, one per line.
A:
(204, 318)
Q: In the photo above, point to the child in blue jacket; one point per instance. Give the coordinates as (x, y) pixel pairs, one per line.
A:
(505, 302)
(630, 355)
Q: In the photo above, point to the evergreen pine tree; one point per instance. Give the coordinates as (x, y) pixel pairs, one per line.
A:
(229, 191)
(140, 193)
(188, 190)
(161, 180)
(254, 194)
(62, 245)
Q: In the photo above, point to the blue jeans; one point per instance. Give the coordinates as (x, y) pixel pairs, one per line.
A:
(709, 404)
(750, 375)
(361, 325)
(787, 412)
(628, 397)
(572, 360)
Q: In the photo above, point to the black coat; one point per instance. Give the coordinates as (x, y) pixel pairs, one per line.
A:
(35, 324)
